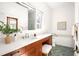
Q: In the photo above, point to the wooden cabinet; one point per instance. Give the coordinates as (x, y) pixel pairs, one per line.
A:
(33, 49)
(39, 48)
(47, 40)
(17, 52)
(31, 52)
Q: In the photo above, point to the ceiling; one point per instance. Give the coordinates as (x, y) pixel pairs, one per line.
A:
(58, 4)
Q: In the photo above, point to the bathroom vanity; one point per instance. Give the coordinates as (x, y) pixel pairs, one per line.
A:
(26, 47)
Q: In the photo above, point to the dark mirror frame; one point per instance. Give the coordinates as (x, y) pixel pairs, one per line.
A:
(11, 19)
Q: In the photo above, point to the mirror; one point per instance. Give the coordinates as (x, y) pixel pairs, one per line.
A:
(13, 22)
(34, 16)
(31, 19)
(34, 19)
(38, 19)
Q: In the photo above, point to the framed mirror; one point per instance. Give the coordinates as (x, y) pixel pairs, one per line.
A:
(38, 19)
(31, 19)
(34, 16)
(12, 22)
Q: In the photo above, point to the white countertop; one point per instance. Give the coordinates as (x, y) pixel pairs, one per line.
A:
(6, 48)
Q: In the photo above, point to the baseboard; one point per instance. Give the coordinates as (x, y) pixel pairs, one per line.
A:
(64, 46)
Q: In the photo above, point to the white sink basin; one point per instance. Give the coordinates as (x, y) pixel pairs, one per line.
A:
(33, 37)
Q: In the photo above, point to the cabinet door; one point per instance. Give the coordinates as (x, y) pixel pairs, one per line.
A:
(31, 52)
(22, 50)
(34, 49)
(39, 49)
(23, 54)
(17, 52)
(49, 40)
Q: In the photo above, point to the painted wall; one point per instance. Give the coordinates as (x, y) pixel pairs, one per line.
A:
(66, 13)
(14, 10)
(76, 12)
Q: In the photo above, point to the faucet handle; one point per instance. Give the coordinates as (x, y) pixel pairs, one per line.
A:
(26, 35)
(34, 34)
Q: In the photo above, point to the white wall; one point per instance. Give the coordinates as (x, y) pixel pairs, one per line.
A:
(66, 13)
(76, 12)
(14, 10)
(17, 11)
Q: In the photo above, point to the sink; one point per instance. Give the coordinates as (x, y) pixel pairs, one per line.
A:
(30, 38)
(33, 37)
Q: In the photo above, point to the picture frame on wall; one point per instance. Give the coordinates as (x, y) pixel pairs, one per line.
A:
(12, 22)
(62, 25)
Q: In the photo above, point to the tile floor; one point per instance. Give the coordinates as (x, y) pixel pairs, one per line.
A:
(61, 51)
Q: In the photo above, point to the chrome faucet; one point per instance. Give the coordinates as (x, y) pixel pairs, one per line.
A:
(26, 35)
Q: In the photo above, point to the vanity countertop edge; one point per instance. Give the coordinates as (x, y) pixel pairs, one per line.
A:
(6, 48)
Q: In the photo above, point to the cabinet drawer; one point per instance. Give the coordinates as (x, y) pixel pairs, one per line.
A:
(22, 50)
(16, 52)
(23, 54)
(30, 46)
(34, 49)
(19, 52)
(31, 52)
